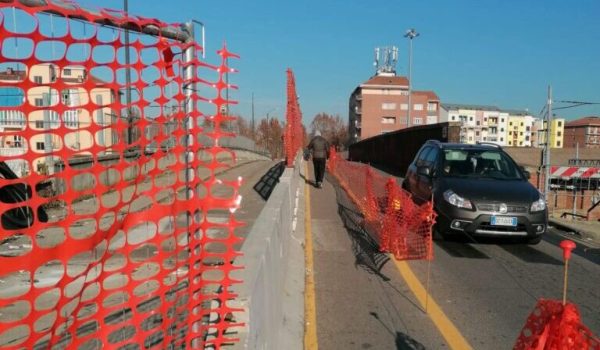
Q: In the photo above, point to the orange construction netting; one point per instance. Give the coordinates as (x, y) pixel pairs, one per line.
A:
(294, 134)
(403, 228)
(116, 230)
(552, 326)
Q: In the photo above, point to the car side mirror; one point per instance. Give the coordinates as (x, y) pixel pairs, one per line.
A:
(424, 170)
(526, 173)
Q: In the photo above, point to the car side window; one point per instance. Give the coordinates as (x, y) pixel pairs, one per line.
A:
(431, 157)
(421, 158)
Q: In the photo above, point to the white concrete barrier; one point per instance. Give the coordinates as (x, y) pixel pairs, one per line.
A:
(272, 292)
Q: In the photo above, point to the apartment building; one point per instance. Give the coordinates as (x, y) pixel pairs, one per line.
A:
(583, 132)
(557, 133)
(479, 123)
(80, 108)
(520, 128)
(380, 105)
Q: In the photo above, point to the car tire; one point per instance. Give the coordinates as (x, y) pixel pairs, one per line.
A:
(533, 240)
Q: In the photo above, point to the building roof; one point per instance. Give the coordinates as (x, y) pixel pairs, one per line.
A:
(516, 112)
(431, 96)
(386, 80)
(11, 74)
(585, 121)
(449, 106)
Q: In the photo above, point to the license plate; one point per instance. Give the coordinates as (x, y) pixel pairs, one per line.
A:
(503, 221)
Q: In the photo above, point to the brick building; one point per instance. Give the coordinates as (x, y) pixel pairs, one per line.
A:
(380, 105)
(584, 131)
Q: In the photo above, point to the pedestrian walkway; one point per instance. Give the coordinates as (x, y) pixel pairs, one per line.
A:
(362, 301)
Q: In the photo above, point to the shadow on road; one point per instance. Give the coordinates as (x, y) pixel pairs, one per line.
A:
(403, 341)
(365, 248)
(264, 187)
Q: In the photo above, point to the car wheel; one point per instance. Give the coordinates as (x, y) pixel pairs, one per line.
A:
(437, 235)
(405, 185)
(533, 240)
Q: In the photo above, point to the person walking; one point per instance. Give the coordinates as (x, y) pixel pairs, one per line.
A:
(320, 153)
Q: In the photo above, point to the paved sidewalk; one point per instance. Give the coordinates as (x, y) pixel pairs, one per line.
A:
(589, 231)
(361, 300)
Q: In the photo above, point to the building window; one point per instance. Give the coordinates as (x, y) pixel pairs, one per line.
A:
(418, 107)
(559, 124)
(559, 133)
(388, 120)
(526, 138)
(476, 133)
(510, 143)
(388, 106)
(521, 143)
(403, 120)
(521, 123)
(418, 121)
(470, 119)
(502, 139)
(37, 79)
(510, 124)
(452, 118)
(528, 128)
(404, 107)
(39, 124)
(501, 129)
(39, 102)
(431, 106)
(557, 143)
(478, 123)
(502, 120)
(521, 133)
(470, 138)
(66, 71)
(510, 133)
(17, 141)
(39, 146)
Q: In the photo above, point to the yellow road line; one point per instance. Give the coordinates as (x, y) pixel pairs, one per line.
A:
(310, 305)
(452, 335)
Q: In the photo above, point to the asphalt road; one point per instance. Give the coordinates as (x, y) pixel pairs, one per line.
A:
(19, 284)
(486, 289)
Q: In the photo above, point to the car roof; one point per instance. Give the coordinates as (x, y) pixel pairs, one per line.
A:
(448, 145)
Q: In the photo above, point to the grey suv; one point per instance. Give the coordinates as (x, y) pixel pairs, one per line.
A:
(478, 190)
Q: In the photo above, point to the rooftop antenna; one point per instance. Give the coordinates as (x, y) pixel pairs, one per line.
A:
(386, 59)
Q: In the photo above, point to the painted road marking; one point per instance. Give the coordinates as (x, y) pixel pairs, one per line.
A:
(450, 333)
(310, 305)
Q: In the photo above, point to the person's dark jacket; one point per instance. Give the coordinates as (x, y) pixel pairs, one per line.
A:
(319, 147)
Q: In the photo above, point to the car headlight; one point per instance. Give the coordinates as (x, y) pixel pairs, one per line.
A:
(538, 205)
(457, 200)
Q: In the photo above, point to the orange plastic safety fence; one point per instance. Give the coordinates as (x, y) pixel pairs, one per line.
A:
(404, 228)
(294, 134)
(115, 230)
(552, 326)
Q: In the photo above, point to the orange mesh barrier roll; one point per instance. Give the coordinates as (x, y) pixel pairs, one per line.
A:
(294, 134)
(116, 231)
(403, 228)
(552, 326)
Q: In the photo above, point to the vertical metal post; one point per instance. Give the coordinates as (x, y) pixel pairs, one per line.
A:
(128, 79)
(253, 137)
(189, 89)
(548, 145)
(408, 120)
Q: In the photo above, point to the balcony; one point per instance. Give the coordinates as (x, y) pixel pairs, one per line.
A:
(358, 97)
(358, 110)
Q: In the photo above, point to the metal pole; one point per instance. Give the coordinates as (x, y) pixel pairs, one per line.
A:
(190, 89)
(548, 125)
(128, 79)
(253, 138)
(408, 120)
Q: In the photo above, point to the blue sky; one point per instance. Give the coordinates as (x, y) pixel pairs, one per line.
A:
(500, 52)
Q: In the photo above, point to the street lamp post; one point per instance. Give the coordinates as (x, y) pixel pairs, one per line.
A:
(410, 34)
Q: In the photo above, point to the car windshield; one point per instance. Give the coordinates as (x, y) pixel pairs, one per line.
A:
(479, 164)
